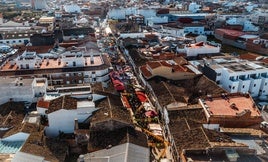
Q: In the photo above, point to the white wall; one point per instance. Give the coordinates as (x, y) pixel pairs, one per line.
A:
(155, 20)
(193, 7)
(120, 13)
(243, 86)
(79, 61)
(255, 86)
(41, 111)
(195, 30)
(63, 120)
(17, 93)
(264, 86)
(40, 88)
(18, 41)
(201, 50)
(132, 35)
(173, 31)
(248, 26)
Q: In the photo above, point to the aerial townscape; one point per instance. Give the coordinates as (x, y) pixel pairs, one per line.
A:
(133, 80)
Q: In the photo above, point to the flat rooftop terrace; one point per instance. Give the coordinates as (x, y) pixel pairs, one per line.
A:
(54, 63)
(231, 105)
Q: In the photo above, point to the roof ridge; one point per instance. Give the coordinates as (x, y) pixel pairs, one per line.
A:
(127, 135)
(169, 91)
(62, 103)
(205, 134)
(187, 123)
(110, 107)
(10, 114)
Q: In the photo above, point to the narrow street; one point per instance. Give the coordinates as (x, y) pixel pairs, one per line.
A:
(134, 96)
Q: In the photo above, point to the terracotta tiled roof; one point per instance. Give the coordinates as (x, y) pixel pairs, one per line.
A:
(11, 116)
(146, 73)
(265, 60)
(191, 139)
(64, 102)
(102, 139)
(51, 149)
(43, 104)
(164, 63)
(153, 65)
(111, 113)
(249, 56)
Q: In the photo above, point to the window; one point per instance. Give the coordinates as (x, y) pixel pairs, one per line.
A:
(254, 85)
(93, 72)
(243, 86)
(265, 84)
(263, 74)
(7, 41)
(233, 87)
(230, 87)
(218, 74)
(20, 41)
(263, 91)
(218, 82)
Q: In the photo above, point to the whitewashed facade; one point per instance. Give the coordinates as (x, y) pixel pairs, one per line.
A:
(18, 89)
(237, 75)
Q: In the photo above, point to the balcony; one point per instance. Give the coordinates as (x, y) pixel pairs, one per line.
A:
(255, 76)
(243, 78)
(233, 79)
(264, 75)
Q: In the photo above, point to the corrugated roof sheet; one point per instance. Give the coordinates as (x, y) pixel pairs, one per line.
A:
(10, 147)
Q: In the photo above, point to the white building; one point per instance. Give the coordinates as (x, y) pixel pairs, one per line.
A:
(156, 20)
(259, 17)
(121, 13)
(72, 8)
(194, 7)
(1, 18)
(17, 34)
(173, 31)
(64, 110)
(39, 4)
(235, 75)
(247, 25)
(132, 35)
(70, 67)
(18, 89)
(194, 28)
(200, 48)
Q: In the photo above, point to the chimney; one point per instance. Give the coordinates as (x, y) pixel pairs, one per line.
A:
(81, 158)
(76, 124)
(91, 57)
